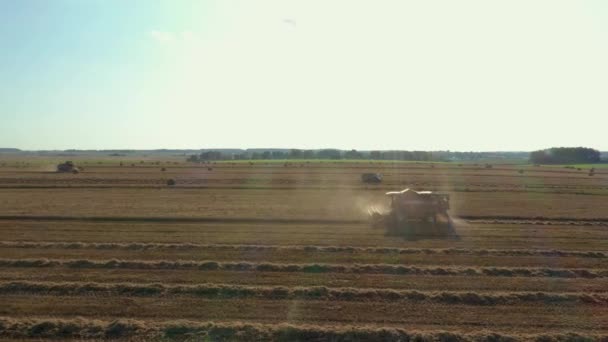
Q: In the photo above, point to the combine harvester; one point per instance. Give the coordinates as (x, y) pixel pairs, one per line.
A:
(68, 166)
(416, 214)
(371, 178)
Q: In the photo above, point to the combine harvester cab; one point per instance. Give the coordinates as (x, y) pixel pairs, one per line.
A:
(416, 214)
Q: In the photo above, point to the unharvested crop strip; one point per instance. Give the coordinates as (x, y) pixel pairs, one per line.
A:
(309, 268)
(313, 249)
(525, 219)
(169, 330)
(221, 291)
(169, 219)
(538, 222)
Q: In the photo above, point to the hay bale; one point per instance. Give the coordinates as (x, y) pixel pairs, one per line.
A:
(171, 182)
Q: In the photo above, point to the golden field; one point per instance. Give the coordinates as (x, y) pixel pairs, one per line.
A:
(284, 251)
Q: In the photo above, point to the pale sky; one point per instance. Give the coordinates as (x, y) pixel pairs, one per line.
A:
(411, 75)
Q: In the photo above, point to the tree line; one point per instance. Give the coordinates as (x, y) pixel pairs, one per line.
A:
(565, 155)
(335, 154)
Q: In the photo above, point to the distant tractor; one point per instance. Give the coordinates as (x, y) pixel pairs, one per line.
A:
(68, 166)
(416, 214)
(371, 178)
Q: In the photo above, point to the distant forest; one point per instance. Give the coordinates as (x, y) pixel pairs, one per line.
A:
(335, 154)
(566, 155)
(555, 155)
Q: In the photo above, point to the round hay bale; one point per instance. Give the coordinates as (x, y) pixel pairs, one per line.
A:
(171, 182)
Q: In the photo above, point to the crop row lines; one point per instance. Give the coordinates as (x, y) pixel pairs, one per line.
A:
(138, 246)
(222, 291)
(309, 268)
(213, 331)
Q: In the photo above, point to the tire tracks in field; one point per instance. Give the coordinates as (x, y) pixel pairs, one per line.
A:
(486, 219)
(338, 236)
(308, 268)
(141, 246)
(187, 186)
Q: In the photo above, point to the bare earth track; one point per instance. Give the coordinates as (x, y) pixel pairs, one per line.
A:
(284, 252)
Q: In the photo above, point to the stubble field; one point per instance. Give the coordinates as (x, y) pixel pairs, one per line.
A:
(283, 251)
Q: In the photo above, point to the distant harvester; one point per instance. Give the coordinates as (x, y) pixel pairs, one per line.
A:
(68, 166)
(371, 178)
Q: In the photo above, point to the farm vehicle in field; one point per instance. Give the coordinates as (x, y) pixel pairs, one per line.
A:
(371, 178)
(415, 214)
(68, 166)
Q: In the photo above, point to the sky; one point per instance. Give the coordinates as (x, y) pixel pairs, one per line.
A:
(469, 75)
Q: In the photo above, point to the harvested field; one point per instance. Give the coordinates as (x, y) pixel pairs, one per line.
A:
(290, 203)
(264, 251)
